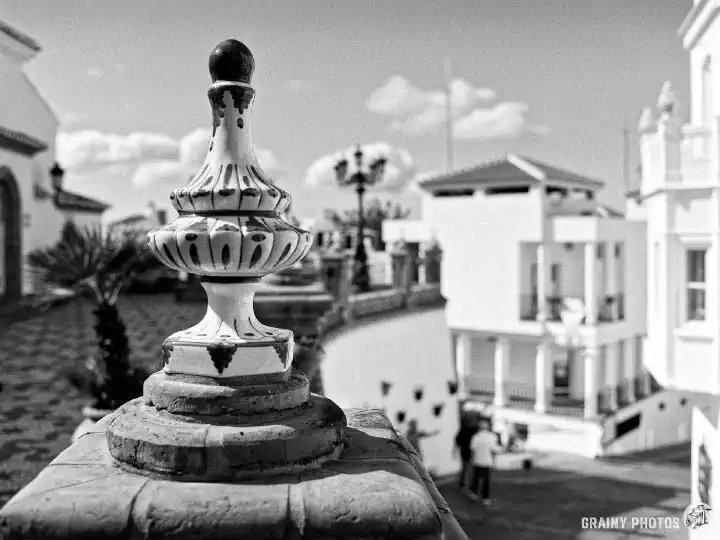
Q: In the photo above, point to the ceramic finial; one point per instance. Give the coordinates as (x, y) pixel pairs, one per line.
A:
(231, 233)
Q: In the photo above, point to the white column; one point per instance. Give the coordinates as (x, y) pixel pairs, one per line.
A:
(611, 373)
(590, 283)
(611, 285)
(502, 365)
(542, 283)
(590, 357)
(630, 368)
(463, 351)
(422, 278)
(542, 360)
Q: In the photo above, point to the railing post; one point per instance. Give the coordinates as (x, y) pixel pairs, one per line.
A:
(432, 261)
(336, 275)
(591, 307)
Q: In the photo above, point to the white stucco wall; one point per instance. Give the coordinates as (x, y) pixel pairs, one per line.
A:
(661, 427)
(481, 240)
(23, 109)
(704, 431)
(408, 351)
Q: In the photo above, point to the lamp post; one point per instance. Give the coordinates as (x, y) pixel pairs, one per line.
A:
(56, 175)
(360, 178)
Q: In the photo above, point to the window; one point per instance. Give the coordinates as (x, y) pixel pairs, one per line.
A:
(509, 190)
(695, 284)
(454, 193)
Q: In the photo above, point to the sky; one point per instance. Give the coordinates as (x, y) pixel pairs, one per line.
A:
(556, 80)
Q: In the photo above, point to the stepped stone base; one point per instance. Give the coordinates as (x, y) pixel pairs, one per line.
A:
(202, 429)
(378, 488)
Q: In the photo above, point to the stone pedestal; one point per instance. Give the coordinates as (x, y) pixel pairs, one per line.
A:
(336, 275)
(377, 488)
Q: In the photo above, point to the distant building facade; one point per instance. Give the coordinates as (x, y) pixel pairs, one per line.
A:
(32, 210)
(142, 222)
(523, 241)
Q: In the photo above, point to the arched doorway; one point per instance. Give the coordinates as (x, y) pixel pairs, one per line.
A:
(10, 238)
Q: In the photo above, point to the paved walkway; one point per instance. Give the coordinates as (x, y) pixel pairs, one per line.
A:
(550, 501)
(39, 410)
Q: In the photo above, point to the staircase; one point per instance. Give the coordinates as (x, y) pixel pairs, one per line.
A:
(660, 419)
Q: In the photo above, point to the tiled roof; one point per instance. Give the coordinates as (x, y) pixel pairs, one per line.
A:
(129, 220)
(67, 200)
(18, 36)
(509, 168)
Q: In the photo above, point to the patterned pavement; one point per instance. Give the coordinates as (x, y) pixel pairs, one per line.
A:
(39, 409)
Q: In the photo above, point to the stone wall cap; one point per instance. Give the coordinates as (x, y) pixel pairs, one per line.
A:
(82, 494)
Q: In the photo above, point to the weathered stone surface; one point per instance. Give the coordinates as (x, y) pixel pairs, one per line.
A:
(179, 396)
(374, 490)
(226, 447)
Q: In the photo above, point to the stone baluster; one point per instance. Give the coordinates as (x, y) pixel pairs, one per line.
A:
(227, 441)
(399, 257)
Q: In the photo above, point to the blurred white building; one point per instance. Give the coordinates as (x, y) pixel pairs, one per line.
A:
(33, 206)
(142, 222)
(522, 242)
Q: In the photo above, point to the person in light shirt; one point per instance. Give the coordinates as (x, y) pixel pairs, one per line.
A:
(485, 447)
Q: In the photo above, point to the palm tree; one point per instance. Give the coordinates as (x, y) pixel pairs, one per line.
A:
(99, 263)
(375, 213)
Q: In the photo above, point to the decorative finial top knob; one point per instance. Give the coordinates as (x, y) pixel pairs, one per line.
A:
(231, 60)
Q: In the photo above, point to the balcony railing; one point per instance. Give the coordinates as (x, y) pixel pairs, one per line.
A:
(612, 308)
(521, 395)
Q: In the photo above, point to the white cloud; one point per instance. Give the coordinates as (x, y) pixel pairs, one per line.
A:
(418, 112)
(399, 169)
(90, 149)
(148, 158)
(503, 121)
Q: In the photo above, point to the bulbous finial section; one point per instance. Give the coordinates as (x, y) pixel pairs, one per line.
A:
(231, 60)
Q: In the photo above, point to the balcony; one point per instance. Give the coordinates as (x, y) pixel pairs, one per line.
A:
(612, 308)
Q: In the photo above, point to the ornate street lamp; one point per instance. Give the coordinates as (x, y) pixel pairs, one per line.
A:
(360, 178)
(56, 175)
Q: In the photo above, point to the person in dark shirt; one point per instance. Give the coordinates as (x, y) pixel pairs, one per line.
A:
(467, 430)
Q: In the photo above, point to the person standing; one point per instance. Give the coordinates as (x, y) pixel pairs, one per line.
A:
(414, 435)
(484, 446)
(468, 429)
